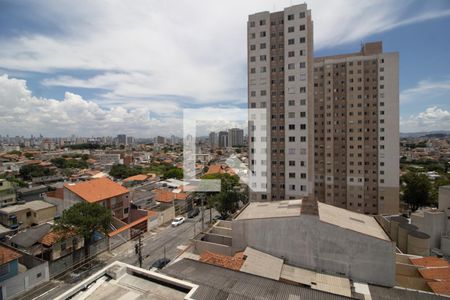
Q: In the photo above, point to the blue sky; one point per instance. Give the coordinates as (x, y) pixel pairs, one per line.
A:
(103, 67)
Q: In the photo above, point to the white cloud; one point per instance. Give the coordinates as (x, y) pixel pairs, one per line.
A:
(22, 114)
(427, 89)
(194, 49)
(433, 118)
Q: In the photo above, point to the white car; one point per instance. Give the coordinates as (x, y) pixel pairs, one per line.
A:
(177, 221)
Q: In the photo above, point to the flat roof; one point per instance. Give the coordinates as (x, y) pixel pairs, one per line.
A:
(275, 209)
(347, 219)
(122, 281)
(34, 205)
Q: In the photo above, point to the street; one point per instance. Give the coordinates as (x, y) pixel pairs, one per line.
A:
(173, 239)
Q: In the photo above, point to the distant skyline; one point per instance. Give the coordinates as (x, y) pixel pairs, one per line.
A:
(100, 68)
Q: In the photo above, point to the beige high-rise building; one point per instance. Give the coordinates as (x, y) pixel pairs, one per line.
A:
(280, 70)
(356, 131)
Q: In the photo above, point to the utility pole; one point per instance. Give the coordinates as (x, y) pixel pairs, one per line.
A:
(203, 213)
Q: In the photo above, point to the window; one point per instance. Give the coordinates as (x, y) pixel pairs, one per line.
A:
(252, 24)
(262, 34)
(291, 42)
(252, 47)
(292, 163)
(125, 210)
(262, 22)
(302, 27)
(262, 58)
(302, 65)
(253, 70)
(291, 66)
(262, 46)
(263, 93)
(291, 29)
(291, 78)
(292, 139)
(291, 126)
(291, 102)
(302, 40)
(291, 175)
(290, 17)
(252, 59)
(292, 187)
(302, 15)
(291, 54)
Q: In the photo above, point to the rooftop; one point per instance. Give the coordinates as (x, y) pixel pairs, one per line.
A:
(33, 205)
(96, 190)
(122, 281)
(7, 255)
(351, 220)
(275, 209)
(430, 261)
(139, 177)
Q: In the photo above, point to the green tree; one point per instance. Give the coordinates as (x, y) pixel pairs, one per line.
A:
(417, 191)
(176, 173)
(123, 171)
(29, 171)
(85, 219)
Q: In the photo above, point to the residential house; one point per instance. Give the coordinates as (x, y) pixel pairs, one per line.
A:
(28, 214)
(58, 244)
(102, 191)
(9, 263)
(7, 194)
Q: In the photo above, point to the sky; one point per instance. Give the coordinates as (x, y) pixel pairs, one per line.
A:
(98, 68)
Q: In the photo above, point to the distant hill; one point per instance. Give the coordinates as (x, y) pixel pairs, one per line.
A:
(430, 134)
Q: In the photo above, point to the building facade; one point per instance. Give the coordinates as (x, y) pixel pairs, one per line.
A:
(7, 193)
(236, 137)
(223, 139)
(356, 130)
(280, 71)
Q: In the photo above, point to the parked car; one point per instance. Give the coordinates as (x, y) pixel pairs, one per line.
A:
(193, 213)
(160, 263)
(177, 221)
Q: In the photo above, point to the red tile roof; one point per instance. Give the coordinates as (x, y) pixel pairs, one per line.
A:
(440, 287)
(430, 261)
(230, 262)
(139, 177)
(435, 273)
(7, 255)
(96, 190)
(166, 196)
(52, 237)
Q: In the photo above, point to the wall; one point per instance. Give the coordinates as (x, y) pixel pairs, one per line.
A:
(25, 281)
(166, 215)
(202, 246)
(319, 246)
(13, 268)
(44, 215)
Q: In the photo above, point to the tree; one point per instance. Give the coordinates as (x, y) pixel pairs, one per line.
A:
(417, 190)
(85, 219)
(176, 173)
(29, 171)
(123, 171)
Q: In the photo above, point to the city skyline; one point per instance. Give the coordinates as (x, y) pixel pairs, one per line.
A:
(100, 88)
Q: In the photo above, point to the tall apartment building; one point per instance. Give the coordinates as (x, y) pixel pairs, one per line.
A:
(213, 140)
(236, 137)
(280, 71)
(223, 139)
(356, 130)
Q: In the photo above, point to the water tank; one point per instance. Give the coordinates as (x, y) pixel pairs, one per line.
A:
(403, 230)
(395, 222)
(418, 243)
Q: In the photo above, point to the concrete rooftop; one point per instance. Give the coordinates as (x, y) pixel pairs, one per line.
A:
(275, 209)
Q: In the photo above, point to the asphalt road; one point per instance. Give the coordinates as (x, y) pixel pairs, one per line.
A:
(167, 240)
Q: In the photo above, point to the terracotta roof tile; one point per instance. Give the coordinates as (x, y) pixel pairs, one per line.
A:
(230, 262)
(97, 189)
(7, 255)
(440, 287)
(139, 177)
(438, 273)
(430, 261)
(164, 196)
(52, 237)
(215, 169)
